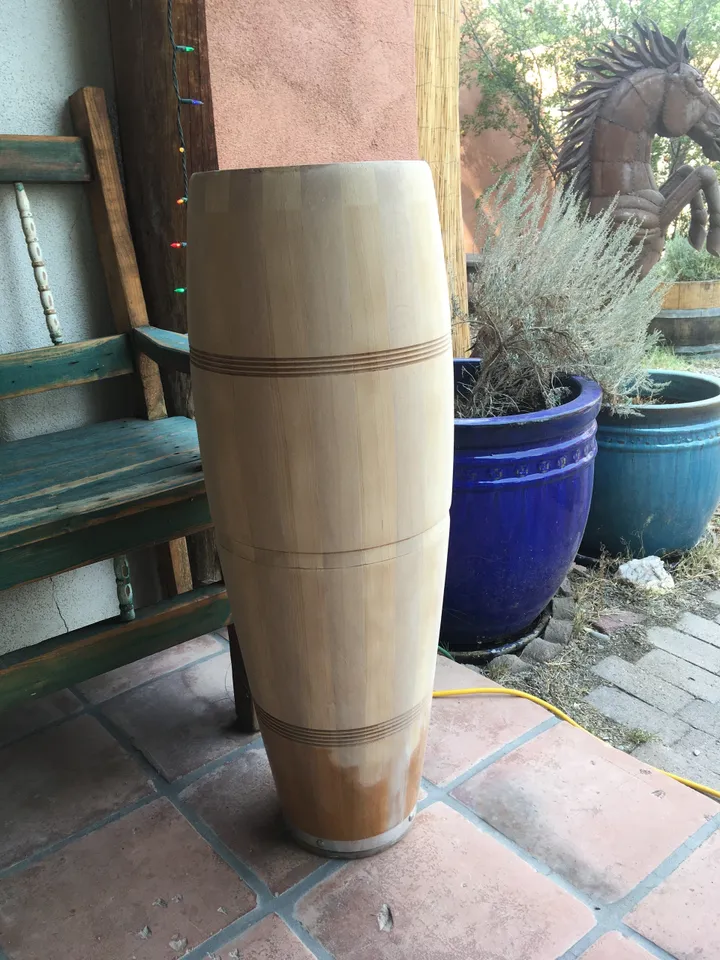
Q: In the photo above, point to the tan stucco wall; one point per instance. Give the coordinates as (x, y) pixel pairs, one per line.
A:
(479, 155)
(312, 81)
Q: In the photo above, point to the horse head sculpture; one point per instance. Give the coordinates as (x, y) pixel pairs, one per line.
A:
(632, 91)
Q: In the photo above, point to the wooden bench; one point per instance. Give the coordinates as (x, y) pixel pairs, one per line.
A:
(96, 492)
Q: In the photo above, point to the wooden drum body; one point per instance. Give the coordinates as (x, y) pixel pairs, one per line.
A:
(323, 385)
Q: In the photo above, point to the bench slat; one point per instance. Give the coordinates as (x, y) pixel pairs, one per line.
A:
(75, 479)
(43, 160)
(85, 653)
(64, 365)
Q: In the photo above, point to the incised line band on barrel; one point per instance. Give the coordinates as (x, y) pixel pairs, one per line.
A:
(340, 738)
(318, 366)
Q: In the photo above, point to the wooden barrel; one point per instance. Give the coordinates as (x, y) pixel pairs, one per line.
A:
(690, 318)
(323, 385)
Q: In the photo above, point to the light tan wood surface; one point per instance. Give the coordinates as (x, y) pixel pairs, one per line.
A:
(322, 371)
(692, 295)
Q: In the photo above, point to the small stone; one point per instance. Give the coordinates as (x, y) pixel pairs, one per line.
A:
(177, 898)
(559, 631)
(541, 651)
(178, 943)
(612, 621)
(648, 574)
(596, 635)
(565, 589)
(159, 902)
(234, 954)
(145, 933)
(580, 570)
(508, 664)
(563, 608)
(696, 753)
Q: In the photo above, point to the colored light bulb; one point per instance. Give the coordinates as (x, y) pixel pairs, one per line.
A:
(183, 48)
(181, 200)
(180, 289)
(177, 244)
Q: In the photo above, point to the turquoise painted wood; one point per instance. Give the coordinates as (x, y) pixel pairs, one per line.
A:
(73, 657)
(65, 365)
(43, 160)
(657, 475)
(168, 349)
(158, 522)
(75, 479)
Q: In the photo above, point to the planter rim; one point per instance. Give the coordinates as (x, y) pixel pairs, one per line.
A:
(681, 375)
(589, 396)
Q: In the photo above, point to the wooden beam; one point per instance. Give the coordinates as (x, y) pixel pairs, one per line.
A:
(107, 204)
(43, 160)
(64, 365)
(147, 112)
(437, 65)
(73, 657)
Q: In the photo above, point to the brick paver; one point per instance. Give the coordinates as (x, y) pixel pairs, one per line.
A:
(684, 764)
(704, 716)
(686, 647)
(700, 627)
(685, 675)
(634, 680)
(635, 714)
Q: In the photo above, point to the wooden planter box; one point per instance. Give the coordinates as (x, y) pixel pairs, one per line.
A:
(690, 318)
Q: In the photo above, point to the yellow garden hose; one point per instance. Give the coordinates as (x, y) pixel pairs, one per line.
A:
(507, 691)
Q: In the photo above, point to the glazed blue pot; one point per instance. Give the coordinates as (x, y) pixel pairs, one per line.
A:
(521, 495)
(657, 476)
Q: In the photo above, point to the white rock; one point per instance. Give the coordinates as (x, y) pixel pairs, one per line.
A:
(647, 574)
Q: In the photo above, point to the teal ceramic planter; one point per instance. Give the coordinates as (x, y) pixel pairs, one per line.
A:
(657, 476)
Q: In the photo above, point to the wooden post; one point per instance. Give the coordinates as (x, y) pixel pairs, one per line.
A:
(146, 109)
(437, 64)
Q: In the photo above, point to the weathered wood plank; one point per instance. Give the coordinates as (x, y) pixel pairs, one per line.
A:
(168, 349)
(78, 478)
(43, 160)
(126, 530)
(117, 254)
(153, 172)
(64, 365)
(82, 654)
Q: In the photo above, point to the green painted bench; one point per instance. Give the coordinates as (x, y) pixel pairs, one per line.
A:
(96, 492)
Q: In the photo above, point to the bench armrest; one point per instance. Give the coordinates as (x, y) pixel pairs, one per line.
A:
(168, 349)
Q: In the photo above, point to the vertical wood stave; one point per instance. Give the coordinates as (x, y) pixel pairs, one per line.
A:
(322, 377)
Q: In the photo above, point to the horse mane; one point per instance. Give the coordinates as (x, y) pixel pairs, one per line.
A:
(616, 61)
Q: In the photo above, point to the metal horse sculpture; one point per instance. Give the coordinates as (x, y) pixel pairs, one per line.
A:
(634, 90)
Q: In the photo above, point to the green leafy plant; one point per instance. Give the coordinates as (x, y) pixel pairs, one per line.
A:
(522, 55)
(556, 293)
(682, 262)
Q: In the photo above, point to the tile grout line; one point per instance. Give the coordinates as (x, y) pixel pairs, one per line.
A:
(86, 703)
(52, 848)
(434, 791)
(266, 901)
(611, 917)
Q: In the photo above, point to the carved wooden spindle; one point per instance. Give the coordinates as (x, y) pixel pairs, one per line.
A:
(124, 588)
(38, 264)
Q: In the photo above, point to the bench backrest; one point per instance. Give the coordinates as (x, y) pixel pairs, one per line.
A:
(90, 159)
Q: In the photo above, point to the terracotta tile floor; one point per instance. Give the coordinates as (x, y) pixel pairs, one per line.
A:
(136, 824)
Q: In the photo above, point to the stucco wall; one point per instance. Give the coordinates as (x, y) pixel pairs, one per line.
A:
(49, 49)
(312, 81)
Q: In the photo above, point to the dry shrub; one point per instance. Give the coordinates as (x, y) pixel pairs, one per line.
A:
(557, 292)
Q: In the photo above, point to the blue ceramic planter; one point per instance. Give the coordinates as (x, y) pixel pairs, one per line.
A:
(521, 495)
(657, 476)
